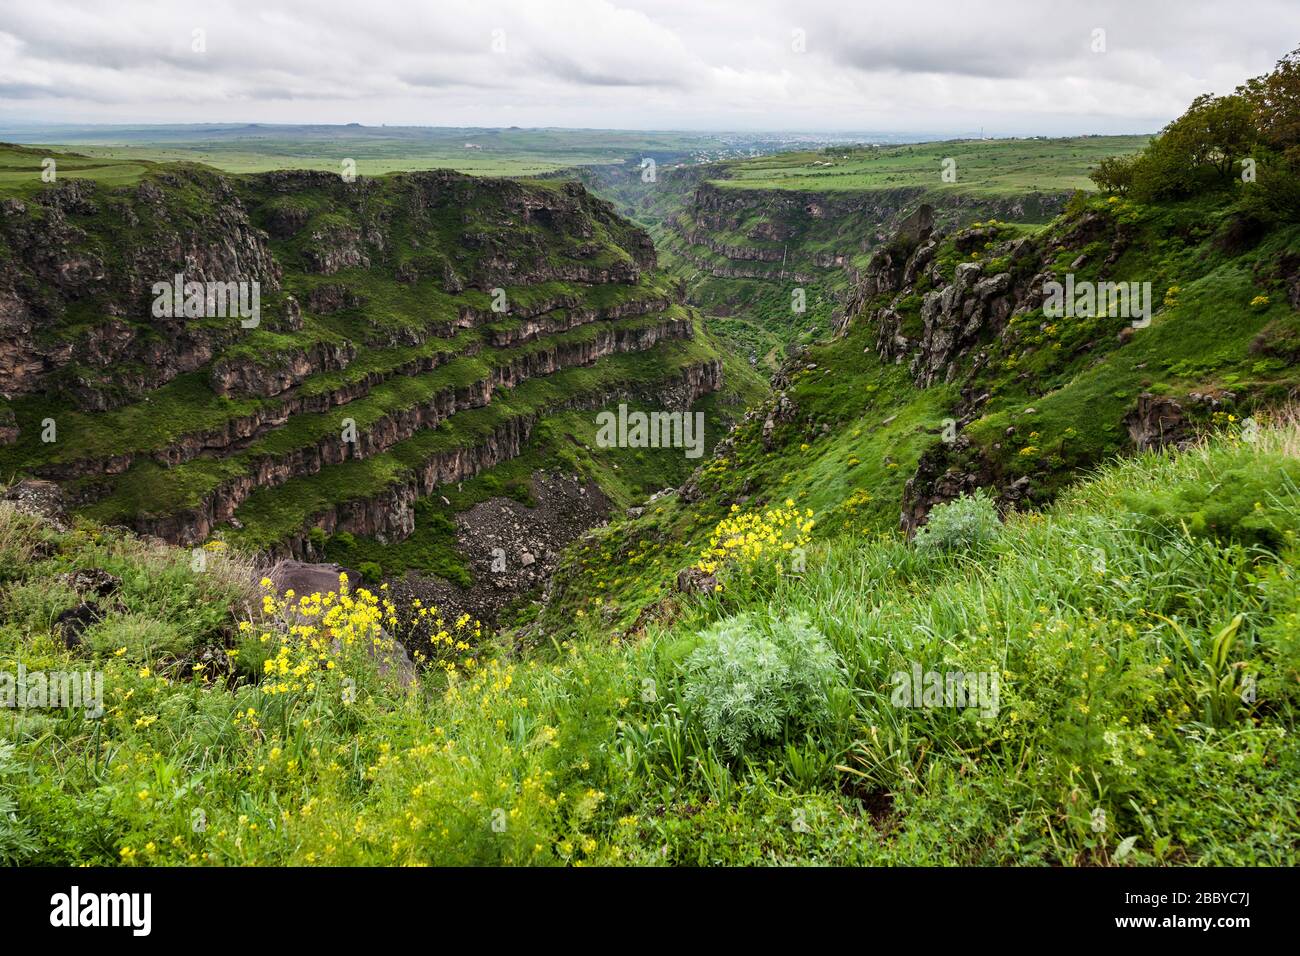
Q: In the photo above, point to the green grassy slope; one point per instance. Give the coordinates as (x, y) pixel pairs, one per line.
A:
(1221, 345)
(21, 168)
(1147, 690)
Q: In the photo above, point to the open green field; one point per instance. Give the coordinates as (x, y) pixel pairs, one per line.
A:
(476, 162)
(989, 167)
(250, 148)
(122, 164)
(20, 169)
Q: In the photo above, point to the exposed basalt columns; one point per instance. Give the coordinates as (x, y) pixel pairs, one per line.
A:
(536, 315)
(246, 428)
(115, 365)
(553, 321)
(219, 505)
(608, 340)
(745, 272)
(390, 516)
(407, 336)
(823, 260)
(242, 378)
(51, 267)
(740, 253)
(502, 272)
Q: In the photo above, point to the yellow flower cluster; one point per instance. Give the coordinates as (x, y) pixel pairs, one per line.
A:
(855, 501)
(311, 634)
(446, 641)
(751, 538)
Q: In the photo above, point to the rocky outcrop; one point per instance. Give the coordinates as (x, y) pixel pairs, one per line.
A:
(944, 326)
(242, 377)
(79, 248)
(563, 316)
(511, 548)
(783, 411)
(41, 499)
(957, 319)
(333, 297)
(695, 581)
(390, 515)
(1157, 421)
(267, 471)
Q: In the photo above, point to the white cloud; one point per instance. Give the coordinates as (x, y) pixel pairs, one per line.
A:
(1012, 66)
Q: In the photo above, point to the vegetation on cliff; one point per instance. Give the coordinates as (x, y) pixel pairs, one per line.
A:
(987, 579)
(413, 332)
(1147, 670)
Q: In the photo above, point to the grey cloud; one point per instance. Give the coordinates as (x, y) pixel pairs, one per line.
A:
(636, 74)
(868, 64)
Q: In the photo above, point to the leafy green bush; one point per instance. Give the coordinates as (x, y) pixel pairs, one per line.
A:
(752, 679)
(968, 522)
(1275, 195)
(370, 572)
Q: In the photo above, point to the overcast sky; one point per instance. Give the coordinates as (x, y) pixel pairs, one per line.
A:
(1011, 67)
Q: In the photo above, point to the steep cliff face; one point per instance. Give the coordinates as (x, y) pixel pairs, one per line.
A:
(76, 285)
(268, 470)
(958, 366)
(1041, 389)
(404, 332)
(390, 515)
(804, 234)
(81, 261)
(774, 265)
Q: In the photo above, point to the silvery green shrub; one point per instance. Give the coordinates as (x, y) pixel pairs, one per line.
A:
(962, 524)
(752, 679)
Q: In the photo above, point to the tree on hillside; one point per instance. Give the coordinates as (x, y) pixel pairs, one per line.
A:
(1114, 174)
(1219, 132)
(1274, 99)
(1205, 146)
(1207, 141)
